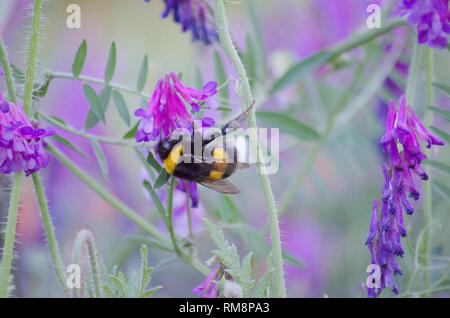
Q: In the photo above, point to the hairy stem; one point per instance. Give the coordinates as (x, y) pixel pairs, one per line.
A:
(50, 232)
(94, 80)
(227, 43)
(10, 235)
(86, 237)
(7, 72)
(170, 217)
(32, 53)
(121, 207)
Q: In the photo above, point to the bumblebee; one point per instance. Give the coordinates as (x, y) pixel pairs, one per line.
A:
(217, 162)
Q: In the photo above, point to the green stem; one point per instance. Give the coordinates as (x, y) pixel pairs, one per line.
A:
(414, 69)
(107, 196)
(122, 208)
(170, 217)
(10, 235)
(108, 140)
(427, 194)
(188, 208)
(7, 72)
(94, 80)
(32, 53)
(86, 237)
(50, 232)
(227, 43)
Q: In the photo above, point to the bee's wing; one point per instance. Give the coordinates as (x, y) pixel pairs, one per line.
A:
(236, 123)
(242, 166)
(222, 186)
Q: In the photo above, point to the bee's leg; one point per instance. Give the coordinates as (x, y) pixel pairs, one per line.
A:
(236, 123)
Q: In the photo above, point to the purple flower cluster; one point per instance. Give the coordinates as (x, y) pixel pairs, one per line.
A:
(404, 130)
(21, 142)
(432, 18)
(167, 111)
(193, 15)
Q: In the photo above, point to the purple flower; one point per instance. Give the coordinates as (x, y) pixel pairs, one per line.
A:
(21, 142)
(208, 288)
(167, 111)
(432, 19)
(401, 143)
(194, 15)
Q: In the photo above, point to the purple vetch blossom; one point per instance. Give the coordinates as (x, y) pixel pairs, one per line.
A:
(401, 142)
(194, 15)
(208, 288)
(432, 18)
(167, 110)
(21, 142)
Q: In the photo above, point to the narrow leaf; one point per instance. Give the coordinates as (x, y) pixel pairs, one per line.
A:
(438, 166)
(143, 71)
(444, 88)
(291, 259)
(232, 213)
(442, 189)
(445, 136)
(121, 106)
(287, 124)
(162, 179)
(440, 111)
(80, 57)
(221, 77)
(300, 70)
(100, 157)
(68, 144)
(250, 60)
(111, 64)
(262, 285)
(132, 132)
(94, 102)
(152, 161)
(156, 201)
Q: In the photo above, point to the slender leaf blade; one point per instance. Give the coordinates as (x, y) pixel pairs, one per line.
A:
(121, 106)
(443, 88)
(143, 73)
(289, 125)
(79, 59)
(68, 144)
(440, 166)
(162, 179)
(111, 64)
(300, 70)
(94, 102)
(440, 111)
(101, 159)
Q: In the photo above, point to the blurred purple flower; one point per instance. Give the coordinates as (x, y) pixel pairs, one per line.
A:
(432, 18)
(194, 15)
(167, 111)
(21, 142)
(403, 128)
(208, 287)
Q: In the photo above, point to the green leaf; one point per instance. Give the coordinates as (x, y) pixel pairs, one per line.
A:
(108, 291)
(162, 179)
(59, 120)
(151, 243)
(440, 111)
(19, 76)
(156, 201)
(262, 285)
(111, 64)
(94, 102)
(100, 157)
(68, 144)
(287, 124)
(444, 88)
(105, 98)
(152, 162)
(300, 70)
(442, 189)
(143, 72)
(445, 136)
(438, 166)
(250, 60)
(132, 132)
(80, 57)
(291, 259)
(221, 77)
(118, 283)
(121, 106)
(232, 213)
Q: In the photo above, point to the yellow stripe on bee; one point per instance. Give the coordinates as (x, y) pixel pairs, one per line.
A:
(173, 158)
(219, 166)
